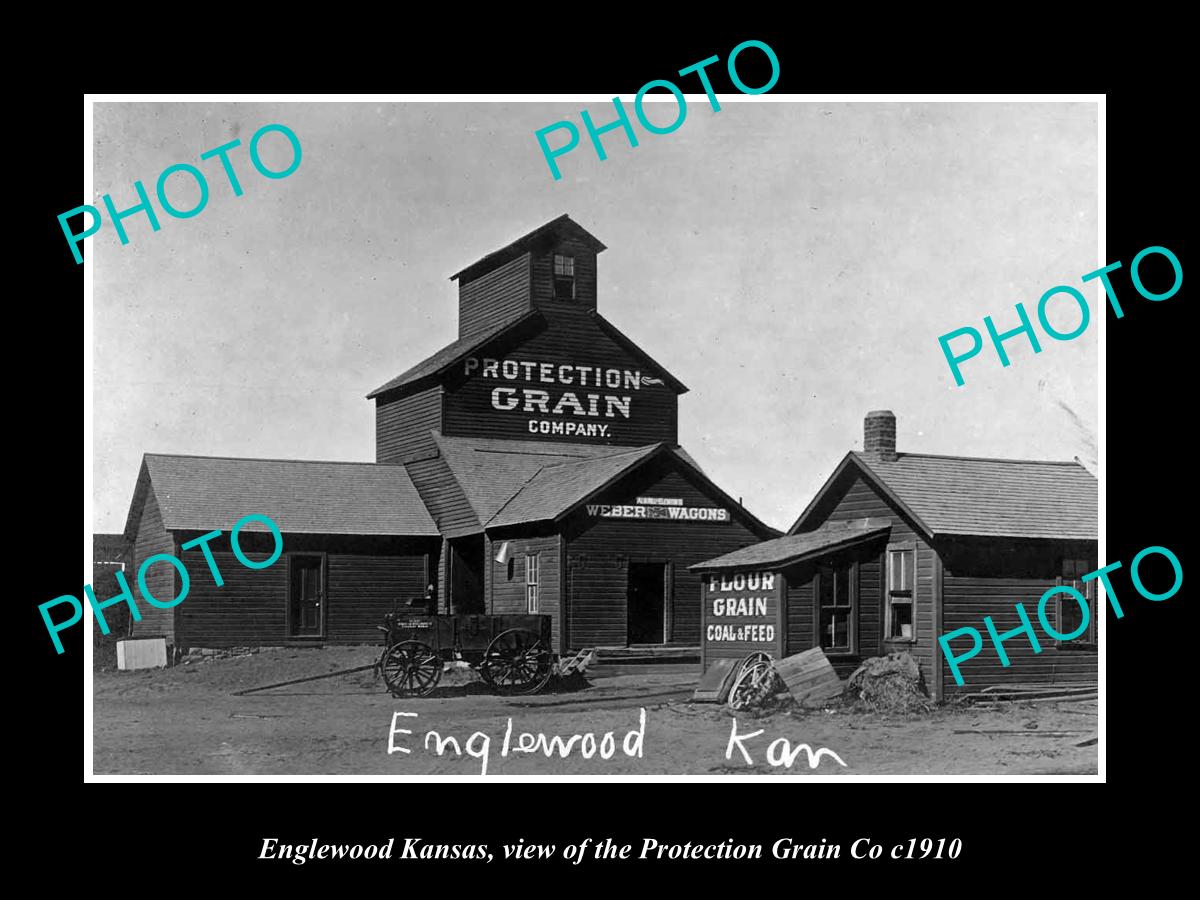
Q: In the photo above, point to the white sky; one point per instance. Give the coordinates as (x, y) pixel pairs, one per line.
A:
(793, 264)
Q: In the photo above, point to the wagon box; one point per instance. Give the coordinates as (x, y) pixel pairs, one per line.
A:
(512, 652)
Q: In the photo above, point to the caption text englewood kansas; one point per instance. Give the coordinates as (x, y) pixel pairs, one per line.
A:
(785, 848)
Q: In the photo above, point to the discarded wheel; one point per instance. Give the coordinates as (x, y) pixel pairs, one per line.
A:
(754, 684)
(517, 662)
(756, 657)
(411, 669)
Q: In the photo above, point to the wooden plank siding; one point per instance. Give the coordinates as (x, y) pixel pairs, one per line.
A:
(403, 422)
(801, 612)
(988, 578)
(585, 275)
(798, 608)
(960, 579)
(362, 588)
(505, 582)
(599, 551)
(151, 539)
(494, 297)
(571, 337)
(364, 576)
(249, 609)
(855, 498)
(597, 588)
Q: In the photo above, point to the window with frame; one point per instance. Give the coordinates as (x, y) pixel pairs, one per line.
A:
(835, 607)
(1070, 613)
(531, 582)
(900, 616)
(564, 277)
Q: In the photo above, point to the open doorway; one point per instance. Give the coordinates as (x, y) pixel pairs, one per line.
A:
(466, 574)
(647, 603)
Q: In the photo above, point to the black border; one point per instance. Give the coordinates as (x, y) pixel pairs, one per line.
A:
(1007, 829)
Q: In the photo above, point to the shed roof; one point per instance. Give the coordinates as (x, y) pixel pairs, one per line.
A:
(958, 495)
(207, 492)
(794, 548)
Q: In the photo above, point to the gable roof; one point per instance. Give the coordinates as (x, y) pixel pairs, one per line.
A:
(455, 352)
(520, 482)
(794, 548)
(627, 344)
(562, 225)
(557, 489)
(200, 493)
(490, 470)
(971, 496)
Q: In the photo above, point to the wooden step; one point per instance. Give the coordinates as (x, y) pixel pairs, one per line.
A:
(581, 660)
(611, 670)
(658, 652)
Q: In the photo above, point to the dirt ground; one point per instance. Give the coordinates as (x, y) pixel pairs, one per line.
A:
(185, 721)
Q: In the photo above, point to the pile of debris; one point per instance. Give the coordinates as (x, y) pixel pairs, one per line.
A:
(891, 683)
(207, 654)
(759, 684)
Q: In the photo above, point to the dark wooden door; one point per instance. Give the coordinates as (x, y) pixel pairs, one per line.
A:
(647, 601)
(307, 593)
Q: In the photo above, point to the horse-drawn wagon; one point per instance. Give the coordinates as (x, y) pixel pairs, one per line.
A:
(511, 652)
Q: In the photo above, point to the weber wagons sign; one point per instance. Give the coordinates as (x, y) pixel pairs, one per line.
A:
(561, 399)
(669, 508)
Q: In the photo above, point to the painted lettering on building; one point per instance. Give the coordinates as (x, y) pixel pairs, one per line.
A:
(742, 609)
(575, 392)
(676, 513)
(741, 634)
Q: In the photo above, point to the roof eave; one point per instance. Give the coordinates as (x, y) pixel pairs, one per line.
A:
(782, 563)
(631, 347)
(589, 238)
(1015, 536)
(853, 458)
(436, 374)
(141, 488)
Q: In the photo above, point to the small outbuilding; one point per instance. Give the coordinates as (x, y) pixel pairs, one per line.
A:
(357, 539)
(897, 549)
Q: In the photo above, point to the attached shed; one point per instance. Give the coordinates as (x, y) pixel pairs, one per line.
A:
(897, 549)
(356, 540)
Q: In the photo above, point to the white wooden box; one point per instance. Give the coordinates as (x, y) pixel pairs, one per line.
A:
(142, 653)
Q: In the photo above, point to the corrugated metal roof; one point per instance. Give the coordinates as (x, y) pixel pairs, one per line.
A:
(992, 497)
(555, 489)
(207, 492)
(794, 547)
(490, 471)
(451, 353)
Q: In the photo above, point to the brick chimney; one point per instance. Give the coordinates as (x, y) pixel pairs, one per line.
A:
(879, 434)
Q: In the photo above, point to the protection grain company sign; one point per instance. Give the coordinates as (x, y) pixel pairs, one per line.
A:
(561, 399)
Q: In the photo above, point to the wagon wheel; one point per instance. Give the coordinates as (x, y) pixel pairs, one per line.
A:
(754, 684)
(517, 662)
(411, 669)
(758, 656)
